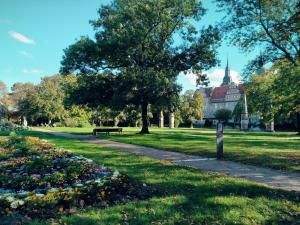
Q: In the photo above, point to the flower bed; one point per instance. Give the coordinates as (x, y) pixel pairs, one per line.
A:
(40, 181)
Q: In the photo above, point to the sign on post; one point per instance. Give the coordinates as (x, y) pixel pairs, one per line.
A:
(219, 140)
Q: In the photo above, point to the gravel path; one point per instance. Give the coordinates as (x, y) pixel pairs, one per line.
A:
(283, 180)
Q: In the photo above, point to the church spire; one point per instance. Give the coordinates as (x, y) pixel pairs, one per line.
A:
(227, 78)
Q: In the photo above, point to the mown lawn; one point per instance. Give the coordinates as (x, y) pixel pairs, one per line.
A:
(189, 196)
(280, 150)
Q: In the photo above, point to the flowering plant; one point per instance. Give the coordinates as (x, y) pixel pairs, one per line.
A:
(40, 181)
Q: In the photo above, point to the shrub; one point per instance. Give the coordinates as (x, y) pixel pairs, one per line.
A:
(223, 115)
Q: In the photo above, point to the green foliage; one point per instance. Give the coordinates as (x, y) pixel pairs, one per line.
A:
(4, 100)
(273, 26)
(50, 99)
(261, 96)
(223, 115)
(238, 109)
(78, 116)
(192, 107)
(133, 115)
(286, 88)
(220, 199)
(135, 41)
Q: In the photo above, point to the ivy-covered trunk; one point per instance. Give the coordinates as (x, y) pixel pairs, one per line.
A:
(145, 124)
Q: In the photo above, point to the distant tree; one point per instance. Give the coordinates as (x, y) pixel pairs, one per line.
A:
(272, 25)
(237, 111)
(4, 100)
(223, 115)
(135, 41)
(77, 116)
(261, 96)
(133, 115)
(192, 106)
(20, 99)
(51, 99)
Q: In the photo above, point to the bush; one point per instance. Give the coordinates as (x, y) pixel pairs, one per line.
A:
(223, 115)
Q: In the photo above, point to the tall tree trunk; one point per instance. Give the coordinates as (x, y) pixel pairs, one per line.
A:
(145, 128)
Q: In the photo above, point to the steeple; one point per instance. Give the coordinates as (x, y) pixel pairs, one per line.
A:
(227, 78)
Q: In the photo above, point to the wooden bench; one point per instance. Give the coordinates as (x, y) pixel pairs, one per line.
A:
(107, 130)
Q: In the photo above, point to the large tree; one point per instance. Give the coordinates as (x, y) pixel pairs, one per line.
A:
(51, 98)
(286, 88)
(135, 40)
(261, 96)
(271, 25)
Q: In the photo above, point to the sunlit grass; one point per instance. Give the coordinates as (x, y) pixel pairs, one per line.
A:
(279, 150)
(190, 196)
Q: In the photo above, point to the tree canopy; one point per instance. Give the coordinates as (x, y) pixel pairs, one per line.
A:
(134, 40)
(192, 106)
(271, 25)
(223, 115)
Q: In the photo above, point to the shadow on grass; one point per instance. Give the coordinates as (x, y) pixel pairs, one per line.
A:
(190, 196)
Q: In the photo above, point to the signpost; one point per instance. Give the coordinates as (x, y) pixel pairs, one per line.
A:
(219, 140)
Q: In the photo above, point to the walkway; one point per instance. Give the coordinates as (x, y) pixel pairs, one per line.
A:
(283, 180)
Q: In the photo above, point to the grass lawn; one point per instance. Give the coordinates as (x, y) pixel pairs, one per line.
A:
(190, 196)
(280, 150)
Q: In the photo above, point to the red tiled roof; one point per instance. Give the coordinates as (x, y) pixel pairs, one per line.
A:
(218, 94)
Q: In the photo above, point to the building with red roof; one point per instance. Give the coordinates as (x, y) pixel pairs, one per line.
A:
(224, 97)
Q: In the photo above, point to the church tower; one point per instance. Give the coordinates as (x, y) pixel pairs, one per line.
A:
(227, 78)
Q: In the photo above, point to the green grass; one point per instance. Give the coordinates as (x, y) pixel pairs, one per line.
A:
(279, 151)
(191, 197)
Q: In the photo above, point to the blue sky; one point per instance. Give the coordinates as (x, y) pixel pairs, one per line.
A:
(33, 34)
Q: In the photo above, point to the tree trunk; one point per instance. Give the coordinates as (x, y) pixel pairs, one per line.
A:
(270, 126)
(191, 126)
(145, 128)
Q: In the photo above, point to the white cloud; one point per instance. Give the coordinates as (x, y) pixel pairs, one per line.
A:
(32, 71)
(26, 54)
(21, 38)
(216, 77)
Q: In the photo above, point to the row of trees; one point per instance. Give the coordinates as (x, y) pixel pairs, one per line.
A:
(56, 101)
(274, 95)
(134, 44)
(274, 28)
